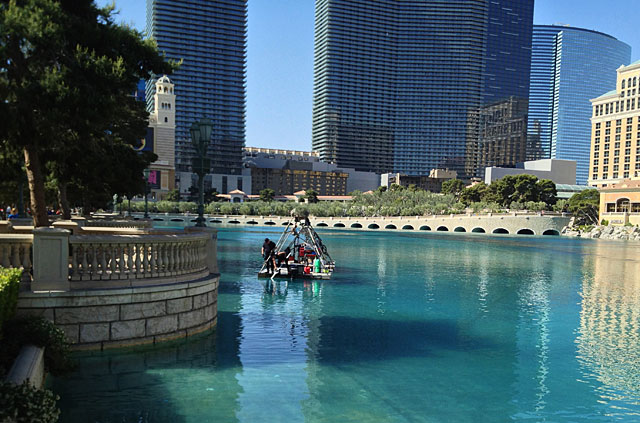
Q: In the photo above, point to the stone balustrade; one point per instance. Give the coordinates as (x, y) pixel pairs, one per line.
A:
(116, 288)
(134, 260)
(15, 251)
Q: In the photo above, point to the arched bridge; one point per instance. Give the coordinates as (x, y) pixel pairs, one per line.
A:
(496, 224)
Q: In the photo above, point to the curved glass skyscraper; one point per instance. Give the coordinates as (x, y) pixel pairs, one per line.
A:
(569, 67)
(404, 86)
(209, 36)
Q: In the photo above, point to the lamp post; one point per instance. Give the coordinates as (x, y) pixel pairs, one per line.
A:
(146, 188)
(200, 137)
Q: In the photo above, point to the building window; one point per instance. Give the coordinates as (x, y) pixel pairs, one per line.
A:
(623, 87)
(607, 124)
(629, 122)
(597, 141)
(616, 145)
(598, 125)
(594, 176)
(627, 144)
(618, 122)
(596, 148)
(607, 131)
(626, 166)
(605, 175)
(240, 184)
(616, 160)
(615, 174)
(595, 162)
(625, 175)
(605, 161)
(166, 119)
(616, 153)
(627, 151)
(617, 137)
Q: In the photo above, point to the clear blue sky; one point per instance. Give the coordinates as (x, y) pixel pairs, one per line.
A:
(280, 56)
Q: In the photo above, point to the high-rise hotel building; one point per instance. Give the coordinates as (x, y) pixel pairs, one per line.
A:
(615, 130)
(565, 75)
(409, 86)
(209, 37)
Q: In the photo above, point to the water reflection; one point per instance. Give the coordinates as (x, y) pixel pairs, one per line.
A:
(609, 334)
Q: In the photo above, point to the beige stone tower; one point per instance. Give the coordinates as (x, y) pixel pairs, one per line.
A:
(163, 123)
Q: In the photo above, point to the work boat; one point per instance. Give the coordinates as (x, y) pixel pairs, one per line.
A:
(299, 253)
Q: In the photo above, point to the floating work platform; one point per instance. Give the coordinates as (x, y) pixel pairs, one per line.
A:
(298, 254)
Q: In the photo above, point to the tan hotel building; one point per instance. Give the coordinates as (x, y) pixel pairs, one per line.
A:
(615, 130)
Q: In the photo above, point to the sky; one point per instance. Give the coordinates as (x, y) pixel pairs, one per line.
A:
(280, 56)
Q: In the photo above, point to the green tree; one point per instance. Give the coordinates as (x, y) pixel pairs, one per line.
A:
(474, 194)
(453, 186)
(173, 195)
(267, 194)
(503, 189)
(66, 75)
(526, 188)
(211, 195)
(547, 192)
(585, 206)
(311, 196)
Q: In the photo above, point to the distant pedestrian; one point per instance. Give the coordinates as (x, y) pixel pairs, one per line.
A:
(13, 214)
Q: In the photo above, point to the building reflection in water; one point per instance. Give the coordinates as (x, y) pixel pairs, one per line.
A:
(608, 342)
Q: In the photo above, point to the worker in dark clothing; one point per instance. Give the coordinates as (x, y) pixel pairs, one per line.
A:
(268, 249)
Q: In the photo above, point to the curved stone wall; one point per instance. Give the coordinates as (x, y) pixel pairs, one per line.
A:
(99, 319)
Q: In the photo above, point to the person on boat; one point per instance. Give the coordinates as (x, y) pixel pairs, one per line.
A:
(283, 256)
(268, 249)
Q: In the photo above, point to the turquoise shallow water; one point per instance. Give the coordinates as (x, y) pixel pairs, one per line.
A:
(412, 328)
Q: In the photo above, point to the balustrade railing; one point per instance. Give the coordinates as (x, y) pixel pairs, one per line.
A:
(116, 257)
(15, 251)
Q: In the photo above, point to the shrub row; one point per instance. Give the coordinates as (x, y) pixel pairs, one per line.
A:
(9, 285)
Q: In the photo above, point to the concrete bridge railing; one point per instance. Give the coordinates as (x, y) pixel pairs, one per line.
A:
(514, 223)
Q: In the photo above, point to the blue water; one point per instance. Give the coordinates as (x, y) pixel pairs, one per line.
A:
(412, 328)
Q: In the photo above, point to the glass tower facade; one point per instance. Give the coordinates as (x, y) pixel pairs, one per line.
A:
(400, 85)
(209, 36)
(569, 67)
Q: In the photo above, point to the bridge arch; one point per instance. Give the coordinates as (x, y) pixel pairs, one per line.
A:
(270, 223)
(252, 222)
(500, 231)
(322, 225)
(407, 227)
(235, 222)
(459, 229)
(338, 225)
(215, 221)
(525, 231)
(177, 219)
(158, 219)
(391, 226)
(442, 229)
(478, 230)
(425, 228)
(356, 225)
(552, 232)
(373, 226)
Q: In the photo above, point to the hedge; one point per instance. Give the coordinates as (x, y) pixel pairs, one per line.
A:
(9, 284)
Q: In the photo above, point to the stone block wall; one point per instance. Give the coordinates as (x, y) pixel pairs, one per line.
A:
(100, 319)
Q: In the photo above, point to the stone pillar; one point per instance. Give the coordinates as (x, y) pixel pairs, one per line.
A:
(50, 259)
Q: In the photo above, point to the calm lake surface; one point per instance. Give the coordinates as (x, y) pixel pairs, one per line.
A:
(414, 327)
